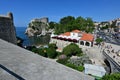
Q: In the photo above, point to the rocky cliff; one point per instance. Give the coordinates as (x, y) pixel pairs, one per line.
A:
(7, 29)
(37, 27)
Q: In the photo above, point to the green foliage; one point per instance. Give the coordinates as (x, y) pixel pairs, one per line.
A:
(67, 20)
(52, 25)
(104, 27)
(72, 49)
(52, 45)
(66, 63)
(63, 61)
(115, 76)
(79, 68)
(35, 50)
(99, 40)
(51, 52)
(42, 52)
(70, 23)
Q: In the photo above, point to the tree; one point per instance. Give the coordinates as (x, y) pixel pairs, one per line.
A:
(51, 52)
(52, 45)
(72, 49)
(99, 40)
(52, 25)
(70, 23)
(67, 20)
(115, 76)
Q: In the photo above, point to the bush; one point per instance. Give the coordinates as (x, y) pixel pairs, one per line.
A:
(42, 52)
(80, 68)
(35, 50)
(62, 61)
(115, 76)
(52, 45)
(99, 40)
(51, 52)
(72, 49)
(71, 65)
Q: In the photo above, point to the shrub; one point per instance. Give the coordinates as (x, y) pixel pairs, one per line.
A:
(52, 45)
(35, 50)
(72, 49)
(71, 65)
(62, 61)
(80, 68)
(51, 52)
(115, 76)
(42, 52)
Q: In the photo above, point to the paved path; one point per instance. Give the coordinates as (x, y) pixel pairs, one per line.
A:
(113, 55)
(19, 64)
(95, 54)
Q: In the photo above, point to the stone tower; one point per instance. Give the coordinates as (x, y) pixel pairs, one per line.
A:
(7, 28)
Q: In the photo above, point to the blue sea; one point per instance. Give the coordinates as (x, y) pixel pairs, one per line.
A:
(20, 31)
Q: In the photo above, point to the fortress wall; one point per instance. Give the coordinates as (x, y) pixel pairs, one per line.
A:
(7, 29)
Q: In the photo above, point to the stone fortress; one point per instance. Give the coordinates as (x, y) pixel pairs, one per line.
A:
(37, 26)
(7, 28)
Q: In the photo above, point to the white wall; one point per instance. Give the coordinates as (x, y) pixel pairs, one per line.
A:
(94, 72)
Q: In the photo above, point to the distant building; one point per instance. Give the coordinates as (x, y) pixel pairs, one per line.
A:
(94, 70)
(44, 20)
(76, 36)
(37, 29)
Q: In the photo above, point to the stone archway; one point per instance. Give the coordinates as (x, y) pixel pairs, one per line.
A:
(108, 66)
(81, 42)
(87, 44)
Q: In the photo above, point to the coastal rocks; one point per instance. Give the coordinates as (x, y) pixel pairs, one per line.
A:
(37, 27)
(7, 28)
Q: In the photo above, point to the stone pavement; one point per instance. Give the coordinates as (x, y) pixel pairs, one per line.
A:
(95, 54)
(115, 55)
(19, 64)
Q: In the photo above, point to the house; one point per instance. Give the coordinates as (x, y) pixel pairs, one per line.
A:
(94, 70)
(75, 36)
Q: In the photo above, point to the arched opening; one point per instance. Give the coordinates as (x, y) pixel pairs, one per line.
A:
(87, 44)
(108, 66)
(81, 43)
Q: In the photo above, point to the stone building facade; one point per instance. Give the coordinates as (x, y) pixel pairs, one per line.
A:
(7, 28)
(76, 36)
(38, 30)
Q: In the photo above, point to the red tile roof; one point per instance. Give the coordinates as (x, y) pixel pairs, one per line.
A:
(87, 37)
(66, 34)
(76, 31)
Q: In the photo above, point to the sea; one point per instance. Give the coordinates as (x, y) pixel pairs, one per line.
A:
(43, 40)
(20, 32)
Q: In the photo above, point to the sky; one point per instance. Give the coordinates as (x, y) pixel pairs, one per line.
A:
(26, 10)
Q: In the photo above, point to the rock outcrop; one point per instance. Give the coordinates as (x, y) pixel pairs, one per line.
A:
(37, 27)
(7, 28)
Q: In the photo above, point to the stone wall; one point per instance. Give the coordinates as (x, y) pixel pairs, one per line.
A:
(40, 28)
(7, 28)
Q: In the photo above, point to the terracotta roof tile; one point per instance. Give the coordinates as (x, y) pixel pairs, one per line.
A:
(87, 37)
(66, 34)
(76, 31)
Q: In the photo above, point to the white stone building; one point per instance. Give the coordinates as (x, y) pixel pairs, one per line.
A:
(95, 70)
(76, 36)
